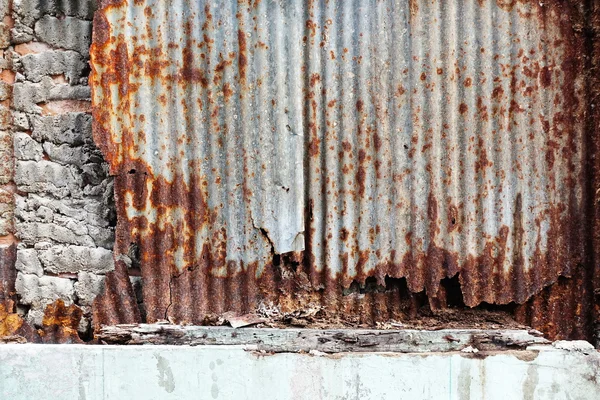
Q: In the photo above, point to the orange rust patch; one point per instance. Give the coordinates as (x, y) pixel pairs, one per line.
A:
(227, 91)
(60, 323)
(413, 6)
(497, 92)
(314, 78)
(9, 323)
(242, 58)
(57, 314)
(545, 76)
(506, 5)
(359, 105)
(313, 147)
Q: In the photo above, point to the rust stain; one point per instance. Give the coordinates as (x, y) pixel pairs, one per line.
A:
(8, 275)
(413, 6)
(9, 323)
(546, 76)
(60, 323)
(242, 58)
(57, 314)
(117, 303)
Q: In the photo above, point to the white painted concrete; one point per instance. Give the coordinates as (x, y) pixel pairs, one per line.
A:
(55, 372)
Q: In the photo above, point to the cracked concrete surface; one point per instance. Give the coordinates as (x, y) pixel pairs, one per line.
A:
(231, 372)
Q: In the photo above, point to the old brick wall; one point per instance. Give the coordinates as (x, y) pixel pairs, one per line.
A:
(56, 196)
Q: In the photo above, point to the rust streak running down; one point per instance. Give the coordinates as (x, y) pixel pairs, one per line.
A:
(352, 155)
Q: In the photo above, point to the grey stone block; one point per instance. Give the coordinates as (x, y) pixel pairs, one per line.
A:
(21, 121)
(65, 154)
(48, 177)
(36, 66)
(103, 237)
(29, 97)
(4, 8)
(91, 211)
(4, 35)
(6, 157)
(6, 212)
(32, 10)
(74, 129)
(74, 259)
(28, 262)
(5, 91)
(66, 33)
(40, 291)
(32, 232)
(26, 148)
(21, 33)
(87, 287)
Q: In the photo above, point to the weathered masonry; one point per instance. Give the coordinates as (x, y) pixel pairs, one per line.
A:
(56, 217)
(315, 163)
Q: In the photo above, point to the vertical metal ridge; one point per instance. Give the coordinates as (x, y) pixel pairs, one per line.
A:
(411, 178)
(398, 147)
(249, 162)
(117, 303)
(477, 145)
(435, 98)
(454, 144)
(488, 49)
(349, 126)
(383, 147)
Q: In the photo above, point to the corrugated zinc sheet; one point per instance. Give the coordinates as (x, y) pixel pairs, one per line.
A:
(280, 150)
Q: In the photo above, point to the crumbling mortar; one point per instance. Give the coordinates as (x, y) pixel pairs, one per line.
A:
(64, 216)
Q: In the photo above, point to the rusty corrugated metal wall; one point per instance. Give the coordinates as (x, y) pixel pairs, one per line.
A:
(278, 151)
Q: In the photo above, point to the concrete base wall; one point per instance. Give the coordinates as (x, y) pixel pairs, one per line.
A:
(232, 372)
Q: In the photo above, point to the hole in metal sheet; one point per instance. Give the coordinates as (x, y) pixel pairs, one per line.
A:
(451, 286)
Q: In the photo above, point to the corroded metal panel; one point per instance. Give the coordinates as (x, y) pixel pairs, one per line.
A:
(451, 145)
(8, 275)
(278, 151)
(201, 120)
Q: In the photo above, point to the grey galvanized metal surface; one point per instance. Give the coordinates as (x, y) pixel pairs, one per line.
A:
(282, 150)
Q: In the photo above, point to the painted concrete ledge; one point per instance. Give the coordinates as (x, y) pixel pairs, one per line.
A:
(165, 372)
